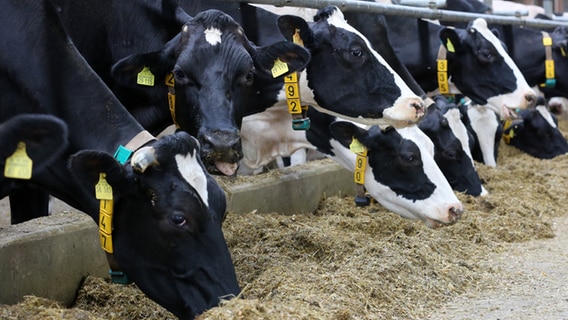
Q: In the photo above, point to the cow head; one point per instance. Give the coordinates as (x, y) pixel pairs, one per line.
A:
(536, 133)
(477, 51)
(215, 70)
(401, 173)
(443, 125)
(347, 77)
(167, 235)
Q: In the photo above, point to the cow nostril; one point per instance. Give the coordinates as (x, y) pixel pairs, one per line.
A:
(455, 213)
(531, 99)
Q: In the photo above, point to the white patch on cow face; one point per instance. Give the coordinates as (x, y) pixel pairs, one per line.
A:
(459, 130)
(213, 36)
(433, 208)
(193, 173)
(485, 124)
(517, 98)
(546, 115)
(401, 109)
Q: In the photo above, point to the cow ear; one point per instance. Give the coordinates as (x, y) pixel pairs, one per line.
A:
(155, 65)
(87, 165)
(450, 39)
(344, 132)
(45, 138)
(294, 56)
(288, 24)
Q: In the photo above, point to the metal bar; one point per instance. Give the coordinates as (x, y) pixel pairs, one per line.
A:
(390, 9)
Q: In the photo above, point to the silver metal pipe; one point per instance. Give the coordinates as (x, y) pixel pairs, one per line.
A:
(390, 9)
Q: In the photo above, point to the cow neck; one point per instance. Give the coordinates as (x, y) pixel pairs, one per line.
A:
(362, 199)
(300, 121)
(550, 81)
(103, 192)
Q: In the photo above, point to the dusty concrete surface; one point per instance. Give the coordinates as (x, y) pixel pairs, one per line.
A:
(532, 285)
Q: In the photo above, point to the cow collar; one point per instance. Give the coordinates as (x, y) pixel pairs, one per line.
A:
(103, 192)
(362, 199)
(550, 81)
(292, 87)
(171, 84)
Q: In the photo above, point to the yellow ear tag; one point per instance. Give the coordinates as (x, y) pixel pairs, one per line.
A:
(356, 146)
(103, 190)
(450, 46)
(19, 165)
(279, 68)
(145, 77)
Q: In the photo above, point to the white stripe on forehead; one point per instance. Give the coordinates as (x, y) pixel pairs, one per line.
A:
(193, 173)
(480, 25)
(338, 20)
(213, 36)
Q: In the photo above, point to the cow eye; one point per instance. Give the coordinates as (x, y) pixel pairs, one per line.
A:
(452, 154)
(178, 219)
(180, 75)
(407, 157)
(248, 79)
(356, 52)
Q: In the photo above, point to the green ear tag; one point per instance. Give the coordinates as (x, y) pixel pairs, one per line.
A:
(145, 77)
(19, 165)
(450, 46)
(279, 68)
(356, 146)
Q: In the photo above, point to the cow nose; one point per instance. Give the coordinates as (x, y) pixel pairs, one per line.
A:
(455, 211)
(418, 105)
(222, 143)
(531, 100)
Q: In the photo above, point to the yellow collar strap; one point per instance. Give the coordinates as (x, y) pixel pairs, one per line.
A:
(362, 198)
(292, 87)
(550, 81)
(171, 84)
(103, 192)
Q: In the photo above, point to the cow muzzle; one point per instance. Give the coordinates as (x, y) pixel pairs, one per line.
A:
(453, 213)
(221, 152)
(404, 112)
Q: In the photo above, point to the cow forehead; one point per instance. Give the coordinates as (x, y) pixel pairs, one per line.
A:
(338, 20)
(417, 136)
(191, 170)
(213, 36)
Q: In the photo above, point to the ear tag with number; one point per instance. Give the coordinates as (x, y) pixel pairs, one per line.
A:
(19, 165)
(103, 190)
(356, 146)
(279, 68)
(145, 77)
(450, 46)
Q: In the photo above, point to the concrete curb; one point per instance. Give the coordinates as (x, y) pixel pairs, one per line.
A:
(49, 257)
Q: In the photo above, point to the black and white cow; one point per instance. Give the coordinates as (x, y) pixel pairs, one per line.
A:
(485, 129)
(443, 125)
(345, 75)
(536, 133)
(44, 138)
(216, 70)
(477, 63)
(401, 172)
(166, 227)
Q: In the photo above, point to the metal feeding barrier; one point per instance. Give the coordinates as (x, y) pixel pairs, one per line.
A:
(415, 12)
